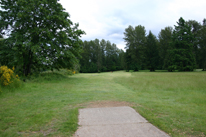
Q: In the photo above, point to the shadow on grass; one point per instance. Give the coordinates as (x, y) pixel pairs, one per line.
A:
(47, 77)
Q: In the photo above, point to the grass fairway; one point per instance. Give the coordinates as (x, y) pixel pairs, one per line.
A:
(175, 102)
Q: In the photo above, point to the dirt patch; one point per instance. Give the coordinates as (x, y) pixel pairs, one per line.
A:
(102, 103)
(99, 104)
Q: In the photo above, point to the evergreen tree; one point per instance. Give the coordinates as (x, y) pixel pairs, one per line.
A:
(100, 56)
(195, 28)
(151, 52)
(103, 44)
(165, 39)
(135, 39)
(202, 45)
(181, 55)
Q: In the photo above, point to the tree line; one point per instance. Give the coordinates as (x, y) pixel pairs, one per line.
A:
(101, 56)
(182, 48)
(38, 35)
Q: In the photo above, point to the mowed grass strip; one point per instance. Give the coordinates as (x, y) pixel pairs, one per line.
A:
(48, 106)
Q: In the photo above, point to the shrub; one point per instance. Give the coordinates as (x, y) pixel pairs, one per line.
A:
(69, 72)
(7, 75)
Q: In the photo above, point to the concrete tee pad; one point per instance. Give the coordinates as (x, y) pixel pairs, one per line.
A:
(115, 122)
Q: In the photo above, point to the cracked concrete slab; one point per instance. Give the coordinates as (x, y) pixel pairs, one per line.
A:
(115, 122)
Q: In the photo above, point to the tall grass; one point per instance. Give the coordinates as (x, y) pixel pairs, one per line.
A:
(175, 102)
(47, 105)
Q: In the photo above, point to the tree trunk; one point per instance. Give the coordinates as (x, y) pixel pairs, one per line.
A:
(27, 65)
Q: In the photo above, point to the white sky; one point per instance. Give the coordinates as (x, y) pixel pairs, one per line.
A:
(107, 19)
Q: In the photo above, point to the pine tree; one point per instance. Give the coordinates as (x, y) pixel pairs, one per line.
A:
(135, 39)
(164, 39)
(202, 45)
(151, 52)
(181, 57)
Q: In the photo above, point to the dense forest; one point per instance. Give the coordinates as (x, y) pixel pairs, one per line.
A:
(101, 56)
(181, 48)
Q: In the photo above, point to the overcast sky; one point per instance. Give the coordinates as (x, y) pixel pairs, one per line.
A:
(107, 19)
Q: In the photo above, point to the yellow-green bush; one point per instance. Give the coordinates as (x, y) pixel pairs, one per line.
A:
(7, 76)
(70, 72)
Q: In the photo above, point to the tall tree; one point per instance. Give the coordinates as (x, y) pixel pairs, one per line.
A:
(202, 45)
(103, 44)
(135, 39)
(181, 55)
(121, 59)
(99, 54)
(151, 52)
(165, 39)
(195, 28)
(41, 33)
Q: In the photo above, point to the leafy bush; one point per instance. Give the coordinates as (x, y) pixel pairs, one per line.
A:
(7, 76)
(47, 77)
(8, 80)
(69, 72)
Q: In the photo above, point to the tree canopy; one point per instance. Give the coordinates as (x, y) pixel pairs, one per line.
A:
(135, 39)
(101, 56)
(181, 56)
(39, 35)
(151, 52)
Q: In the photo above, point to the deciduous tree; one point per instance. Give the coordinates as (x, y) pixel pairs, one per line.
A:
(40, 33)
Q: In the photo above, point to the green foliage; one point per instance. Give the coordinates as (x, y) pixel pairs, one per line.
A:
(7, 54)
(48, 77)
(181, 56)
(135, 39)
(195, 29)
(165, 39)
(202, 47)
(101, 56)
(40, 35)
(151, 52)
(181, 49)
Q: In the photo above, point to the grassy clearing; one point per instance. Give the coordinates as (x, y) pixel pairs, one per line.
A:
(48, 105)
